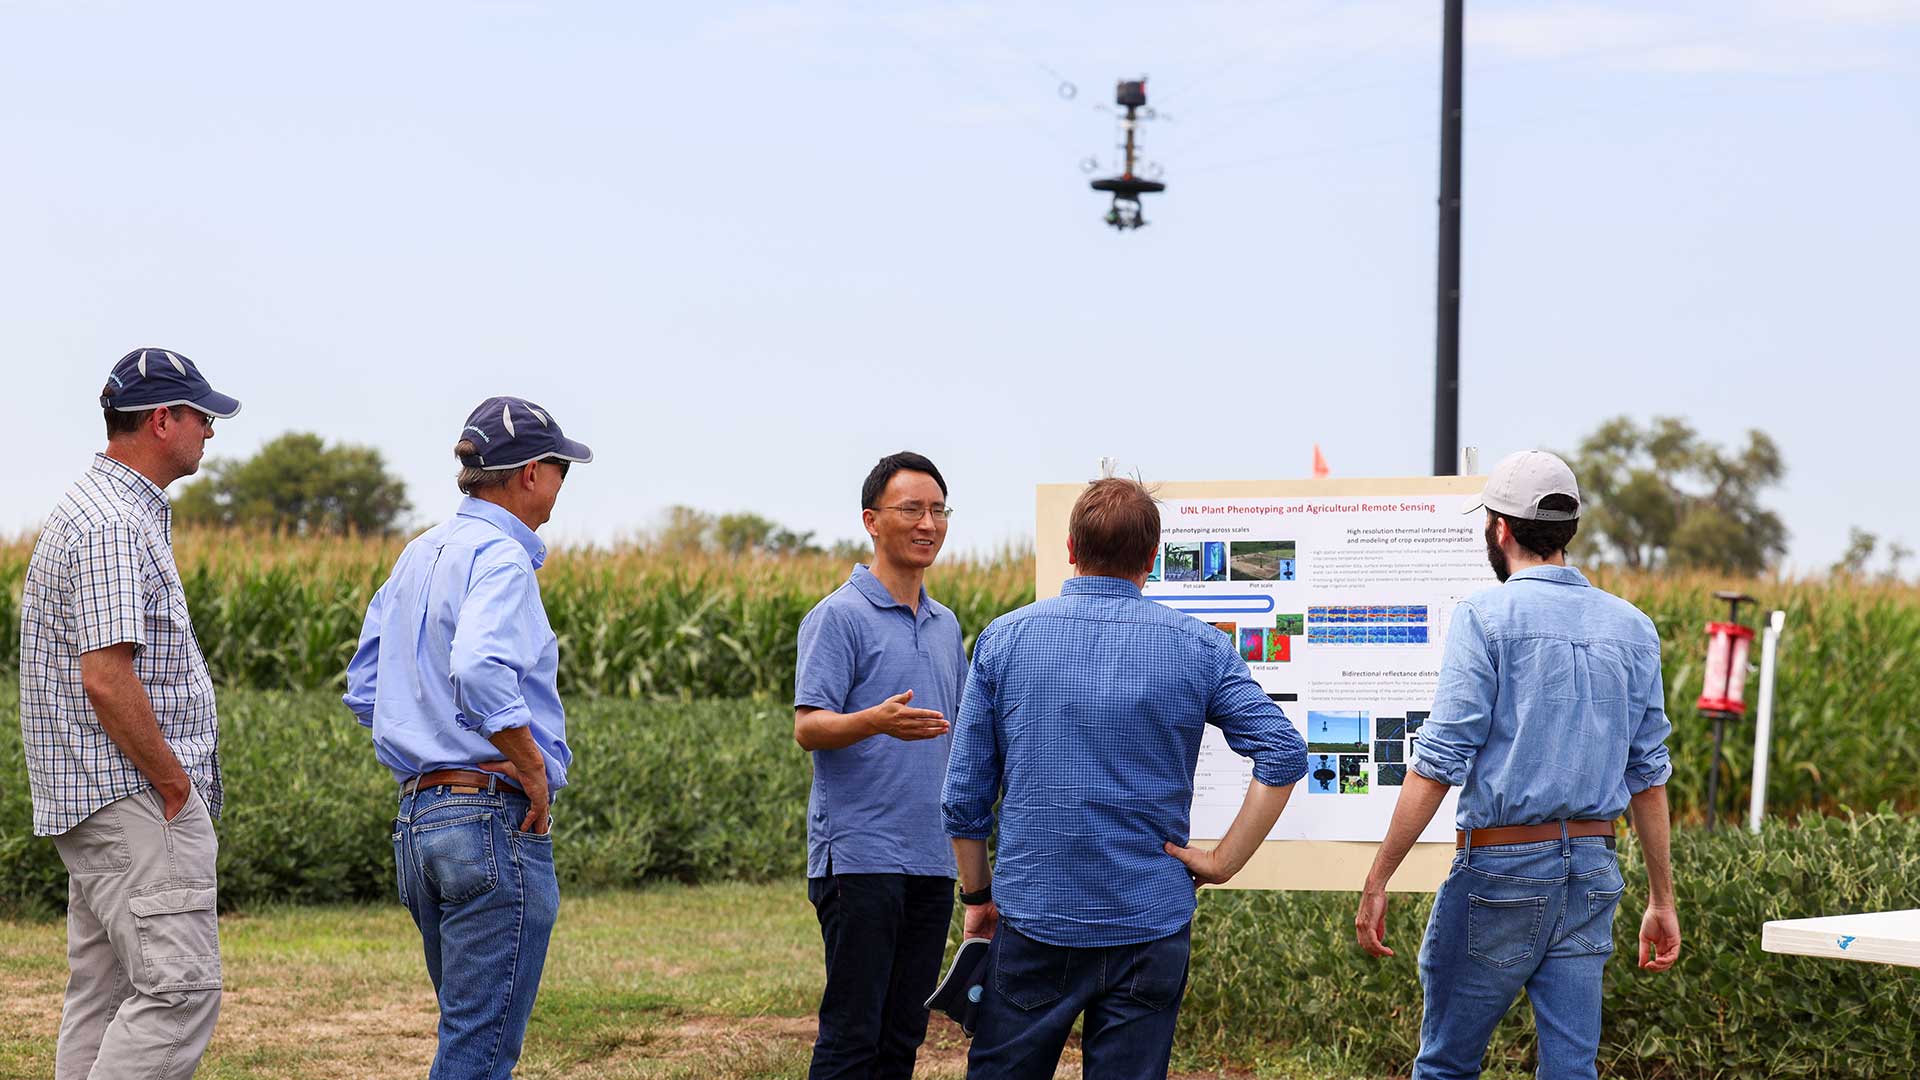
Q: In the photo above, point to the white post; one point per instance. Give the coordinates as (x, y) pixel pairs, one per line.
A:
(1763, 725)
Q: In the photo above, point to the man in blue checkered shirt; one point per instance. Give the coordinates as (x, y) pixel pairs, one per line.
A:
(121, 736)
(1083, 715)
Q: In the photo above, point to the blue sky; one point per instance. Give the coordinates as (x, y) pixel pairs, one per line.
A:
(743, 250)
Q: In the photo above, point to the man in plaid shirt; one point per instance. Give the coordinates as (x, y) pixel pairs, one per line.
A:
(117, 714)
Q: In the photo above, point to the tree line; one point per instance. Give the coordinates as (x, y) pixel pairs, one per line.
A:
(300, 485)
(1658, 496)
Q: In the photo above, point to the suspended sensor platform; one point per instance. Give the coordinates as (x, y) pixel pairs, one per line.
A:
(1126, 189)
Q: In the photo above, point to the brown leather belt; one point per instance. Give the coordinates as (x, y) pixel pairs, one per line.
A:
(466, 781)
(1528, 834)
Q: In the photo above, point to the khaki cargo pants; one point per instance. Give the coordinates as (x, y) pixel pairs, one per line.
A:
(143, 946)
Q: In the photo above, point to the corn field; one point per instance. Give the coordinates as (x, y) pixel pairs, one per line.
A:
(280, 614)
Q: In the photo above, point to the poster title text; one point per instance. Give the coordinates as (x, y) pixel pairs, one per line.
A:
(1281, 509)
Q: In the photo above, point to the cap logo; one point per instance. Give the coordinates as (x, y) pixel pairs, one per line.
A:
(476, 431)
(506, 419)
(143, 363)
(116, 381)
(540, 416)
(177, 365)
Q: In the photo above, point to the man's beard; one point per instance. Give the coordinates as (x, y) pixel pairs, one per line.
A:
(1496, 558)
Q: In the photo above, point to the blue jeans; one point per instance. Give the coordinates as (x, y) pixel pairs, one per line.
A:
(884, 936)
(484, 896)
(1535, 916)
(1129, 993)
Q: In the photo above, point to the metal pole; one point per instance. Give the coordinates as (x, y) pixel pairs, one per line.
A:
(1713, 773)
(1763, 724)
(1446, 375)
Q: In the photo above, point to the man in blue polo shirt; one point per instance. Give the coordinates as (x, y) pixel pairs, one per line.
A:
(455, 675)
(880, 669)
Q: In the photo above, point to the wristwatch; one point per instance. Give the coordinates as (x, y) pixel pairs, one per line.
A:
(975, 899)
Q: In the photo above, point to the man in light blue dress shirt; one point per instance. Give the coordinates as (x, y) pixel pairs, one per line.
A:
(455, 674)
(1551, 719)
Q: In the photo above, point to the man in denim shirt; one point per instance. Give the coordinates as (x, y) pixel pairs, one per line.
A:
(455, 675)
(879, 670)
(1550, 717)
(1083, 718)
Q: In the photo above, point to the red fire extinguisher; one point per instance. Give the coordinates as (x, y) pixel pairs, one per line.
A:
(1723, 693)
(1724, 690)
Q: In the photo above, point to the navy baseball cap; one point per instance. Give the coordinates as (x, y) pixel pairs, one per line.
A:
(960, 993)
(156, 378)
(511, 431)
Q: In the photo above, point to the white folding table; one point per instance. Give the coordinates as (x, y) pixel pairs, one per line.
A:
(1882, 937)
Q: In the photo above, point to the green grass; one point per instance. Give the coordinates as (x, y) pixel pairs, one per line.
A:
(713, 981)
(720, 980)
(335, 990)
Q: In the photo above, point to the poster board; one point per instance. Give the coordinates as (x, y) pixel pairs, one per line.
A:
(1339, 591)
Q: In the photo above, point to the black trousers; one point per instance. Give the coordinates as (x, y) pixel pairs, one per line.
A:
(885, 936)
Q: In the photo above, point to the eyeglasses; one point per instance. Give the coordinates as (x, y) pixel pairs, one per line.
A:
(563, 464)
(178, 412)
(912, 512)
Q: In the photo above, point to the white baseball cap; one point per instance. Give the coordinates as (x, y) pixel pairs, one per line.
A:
(1516, 486)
